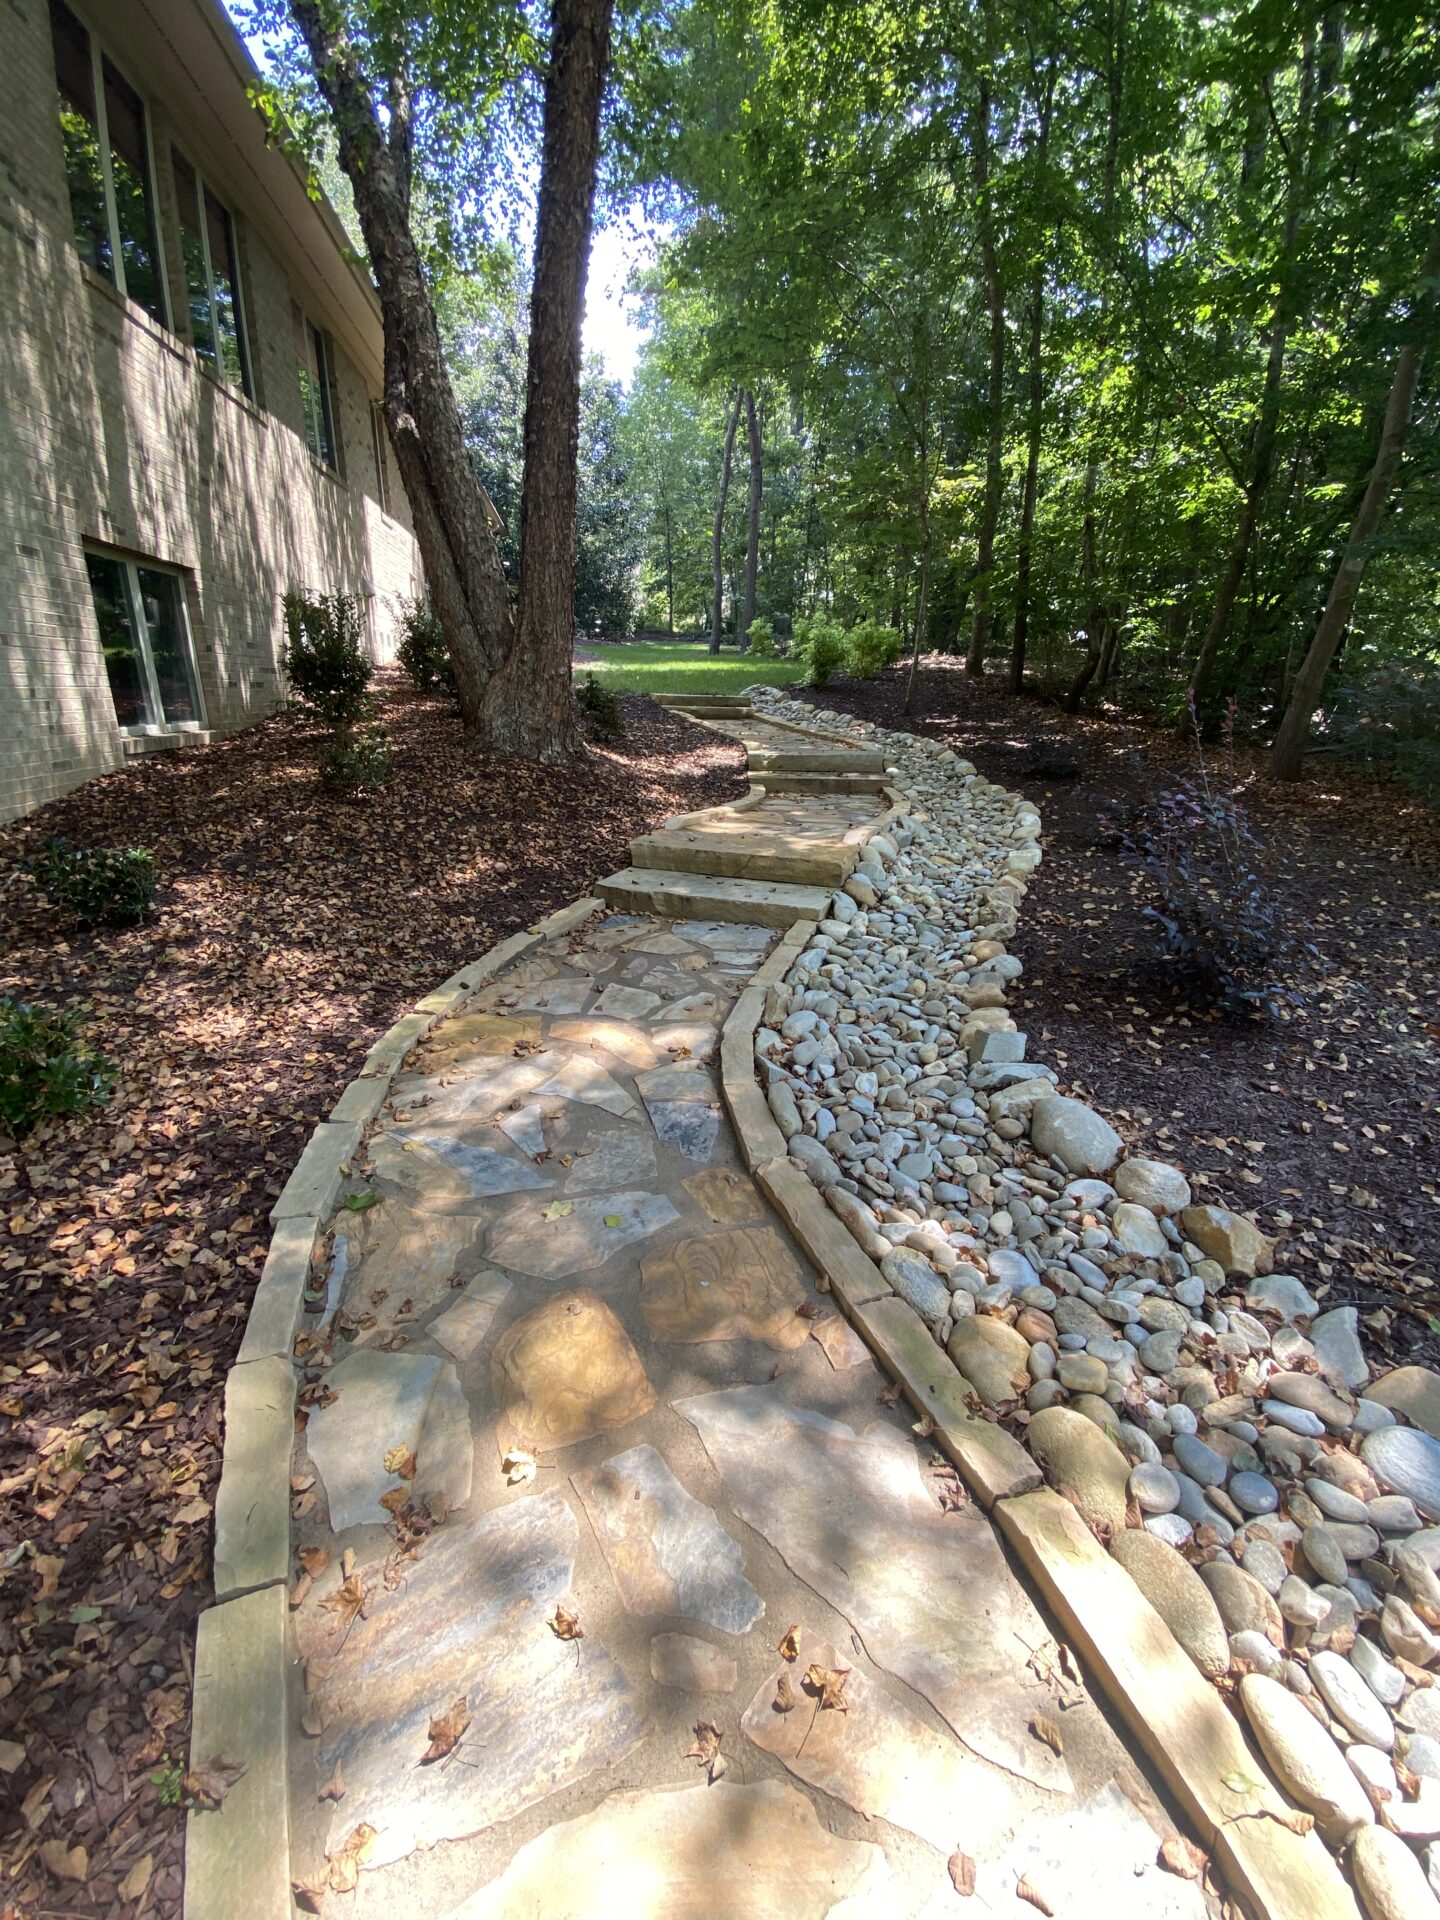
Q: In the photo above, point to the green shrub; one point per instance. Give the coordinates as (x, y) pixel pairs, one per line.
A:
(422, 651)
(600, 711)
(356, 761)
(820, 648)
(45, 1068)
(871, 646)
(95, 883)
(328, 669)
(761, 641)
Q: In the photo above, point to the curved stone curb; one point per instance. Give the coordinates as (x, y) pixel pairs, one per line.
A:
(237, 1857)
(1186, 1730)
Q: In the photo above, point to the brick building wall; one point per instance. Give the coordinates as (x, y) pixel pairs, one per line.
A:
(113, 431)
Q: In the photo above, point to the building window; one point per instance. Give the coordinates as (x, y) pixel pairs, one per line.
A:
(382, 468)
(212, 277)
(315, 360)
(140, 610)
(108, 167)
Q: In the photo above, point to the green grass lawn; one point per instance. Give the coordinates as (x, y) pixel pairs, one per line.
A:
(679, 667)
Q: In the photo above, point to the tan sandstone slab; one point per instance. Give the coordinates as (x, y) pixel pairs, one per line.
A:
(667, 1551)
(566, 1372)
(728, 1198)
(929, 1593)
(881, 1758)
(482, 1035)
(690, 1853)
(740, 1285)
(839, 1342)
(468, 1620)
(550, 1241)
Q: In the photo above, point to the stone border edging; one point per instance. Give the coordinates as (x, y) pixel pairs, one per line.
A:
(1185, 1729)
(237, 1856)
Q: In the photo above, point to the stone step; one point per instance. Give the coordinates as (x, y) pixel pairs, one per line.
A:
(704, 701)
(757, 855)
(707, 712)
(822, 782)
(699, 896)
(800, 759)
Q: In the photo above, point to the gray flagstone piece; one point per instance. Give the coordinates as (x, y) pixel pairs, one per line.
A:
(408, 1161)
(526, 1242)
(687, 1126)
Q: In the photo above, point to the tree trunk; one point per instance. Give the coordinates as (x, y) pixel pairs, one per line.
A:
(995, 386)
(717, 552)
(1262, 447)
(530, 704)
(1288, 752)
(752, 534)
(1032, 478)
(462, 562)
(669, 570)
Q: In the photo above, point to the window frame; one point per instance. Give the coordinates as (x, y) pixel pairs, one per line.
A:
(321, 381)
(130, 567)
(242, 326)
(378, 435)
(116, 279)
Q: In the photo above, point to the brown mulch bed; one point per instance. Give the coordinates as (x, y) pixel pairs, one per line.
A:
(291, 929)
(1323, 1121)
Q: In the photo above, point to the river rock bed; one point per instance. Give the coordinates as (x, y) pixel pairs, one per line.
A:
(1219, 1432)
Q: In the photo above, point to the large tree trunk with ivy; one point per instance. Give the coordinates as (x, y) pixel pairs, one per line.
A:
(462, 563)
(529, 706)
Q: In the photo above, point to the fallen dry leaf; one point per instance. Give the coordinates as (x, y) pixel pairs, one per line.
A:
(565, 1625)
(706, 1750)
(346, 1864)
(207, 1786)
(66, 1863)
(1045, 1729)
(962, 1873)
(518, 1467)
(133, 1886)
(445, 1731)
(402, 1461)
(1027, 1890)
(784, 1701)
(1181, 1856)
(334, 1787)
(829, 1684)
(347, 1603)
(789, 1647)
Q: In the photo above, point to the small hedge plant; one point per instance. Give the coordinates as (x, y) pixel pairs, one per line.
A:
(601, 714)
(46, 1070)
(115, 884)
(820, 648)
(356, 761)
(760, 642)
(328, 669)
(422, 652)
(871, 646)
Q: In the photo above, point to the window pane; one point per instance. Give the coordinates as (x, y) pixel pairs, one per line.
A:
(135, 216)
(309, 407)
(326, 411)
(80, 137)
(163, 609)
(197, 286)
(225, 273)
(119, 640)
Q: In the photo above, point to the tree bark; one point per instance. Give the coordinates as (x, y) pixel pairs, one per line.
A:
(752, 532)
(1288, 753)
(922, 598)
(529, 703)
(669, 570)
(995, 385)
(717, 552)
(1032, 479)
(462, 562)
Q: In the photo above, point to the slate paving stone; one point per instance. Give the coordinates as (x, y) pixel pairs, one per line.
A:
(383, 1401)
(469, 1620)
(431, 1162)
(395, 1254)
(930, 1594)
(880, 1758)
(461, 1328)
(555, 996)
(691, 1665)
(617, 1156)
(565, 1372)
(1101, 1852)
(626, 1003)
(524, 1241)
(526, 1127)
(698, 1038)
(587, 1081)
(741, 1285)
(667, 1551)
(684, 1080)
(706, 1009)
(480, 1036)
(617, 1037)
(692, 1130)
(693, 1853)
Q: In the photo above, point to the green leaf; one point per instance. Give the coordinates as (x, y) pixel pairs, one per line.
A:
(362, 1202)
(1239, 1783)
(558, 1209)
(81, 1616)
(614, 1220)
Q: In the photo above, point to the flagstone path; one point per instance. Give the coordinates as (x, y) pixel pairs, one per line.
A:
(584, 1444)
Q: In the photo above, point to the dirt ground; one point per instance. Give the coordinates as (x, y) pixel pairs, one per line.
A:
(290, 930)
(1324, 1120)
